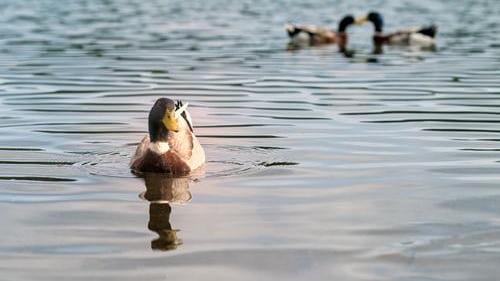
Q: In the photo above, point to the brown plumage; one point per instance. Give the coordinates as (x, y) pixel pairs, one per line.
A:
(422, 37)
(309, 35)
(168, 162)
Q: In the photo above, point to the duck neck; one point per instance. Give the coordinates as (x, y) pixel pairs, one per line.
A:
(344, 23)
(342, 41)
(159, 147)
(157, 131)
(159, 138)
(378, 25)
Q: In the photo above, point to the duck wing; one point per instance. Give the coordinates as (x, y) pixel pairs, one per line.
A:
(293, 29)
(430, 30)
(197, 158)
(140, 152)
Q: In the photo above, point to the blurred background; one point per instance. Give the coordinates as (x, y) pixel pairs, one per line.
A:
(375, 167)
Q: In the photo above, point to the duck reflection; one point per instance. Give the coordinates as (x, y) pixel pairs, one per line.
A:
(159, 222)
(163, 191)
(378, 49)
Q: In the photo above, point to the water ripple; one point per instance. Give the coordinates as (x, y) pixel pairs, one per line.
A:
(382, 161)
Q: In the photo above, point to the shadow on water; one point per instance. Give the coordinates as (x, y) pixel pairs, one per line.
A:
(162, 192)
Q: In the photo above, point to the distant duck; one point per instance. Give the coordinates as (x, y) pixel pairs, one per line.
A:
(171, 146)
(419, 36)
(302, 36)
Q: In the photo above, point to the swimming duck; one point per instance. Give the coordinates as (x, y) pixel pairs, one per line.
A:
(309, 35)
(171, 146)
(418, 36)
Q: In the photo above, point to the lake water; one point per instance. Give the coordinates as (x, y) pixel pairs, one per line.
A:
(320, 167)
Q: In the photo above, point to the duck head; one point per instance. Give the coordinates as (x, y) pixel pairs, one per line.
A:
(164, 119)
(373, 17)
(345, 23)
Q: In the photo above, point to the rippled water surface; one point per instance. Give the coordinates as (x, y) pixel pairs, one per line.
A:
(320, 166)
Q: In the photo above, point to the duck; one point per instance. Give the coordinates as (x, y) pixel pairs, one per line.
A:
(171, 146)
(302, 36)
(423, 36)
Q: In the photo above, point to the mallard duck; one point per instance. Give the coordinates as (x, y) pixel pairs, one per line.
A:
(309, 35)
(171, 146)
(418, 36)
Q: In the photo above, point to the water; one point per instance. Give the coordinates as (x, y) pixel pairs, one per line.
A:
(320, 166)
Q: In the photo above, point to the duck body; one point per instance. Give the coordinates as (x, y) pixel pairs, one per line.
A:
(179, 161)
(310, 35)
(174, 150)
(302, 36)
(419, 36)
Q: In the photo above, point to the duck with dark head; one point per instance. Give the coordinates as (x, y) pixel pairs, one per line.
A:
(422, 37)
(171, 146)
(302, 36)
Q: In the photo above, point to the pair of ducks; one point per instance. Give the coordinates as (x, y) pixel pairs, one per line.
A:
(303, 35)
